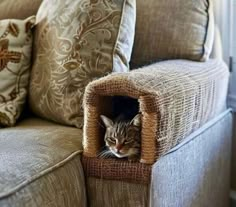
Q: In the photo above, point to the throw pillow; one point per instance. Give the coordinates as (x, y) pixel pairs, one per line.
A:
(75, 43)
(15, 62)
(173, 29)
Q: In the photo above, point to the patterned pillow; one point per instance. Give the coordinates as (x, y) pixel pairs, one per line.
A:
(15, 58)
(75, 43)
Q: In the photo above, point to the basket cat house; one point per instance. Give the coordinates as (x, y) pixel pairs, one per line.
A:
(175, 98)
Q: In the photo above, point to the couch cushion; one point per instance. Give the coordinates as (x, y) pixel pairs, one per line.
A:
(18, 9)
(77, 42)
(167, 29)
(34, 149)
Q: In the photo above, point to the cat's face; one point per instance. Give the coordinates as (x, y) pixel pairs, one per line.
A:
(123, 138)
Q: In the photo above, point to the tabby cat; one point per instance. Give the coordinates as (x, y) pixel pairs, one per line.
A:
(122, 138)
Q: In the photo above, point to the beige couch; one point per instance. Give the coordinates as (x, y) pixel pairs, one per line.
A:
(40, 161)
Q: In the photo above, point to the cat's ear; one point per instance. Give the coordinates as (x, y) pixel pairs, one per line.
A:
(136, 121)
(107, 122)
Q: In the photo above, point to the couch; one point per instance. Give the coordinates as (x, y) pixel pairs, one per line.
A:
(41, 162)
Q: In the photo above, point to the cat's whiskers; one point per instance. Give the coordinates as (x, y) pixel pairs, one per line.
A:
(106, 154)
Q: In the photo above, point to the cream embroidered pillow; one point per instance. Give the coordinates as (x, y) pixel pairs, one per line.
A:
(15, 58)
(77, 42)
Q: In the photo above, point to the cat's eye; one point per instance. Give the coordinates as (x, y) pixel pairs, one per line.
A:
(127, 142)
(111, 139)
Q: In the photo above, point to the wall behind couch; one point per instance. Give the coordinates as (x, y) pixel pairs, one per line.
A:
(222, 10)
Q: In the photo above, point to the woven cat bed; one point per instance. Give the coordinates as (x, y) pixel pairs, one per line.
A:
(175, 97)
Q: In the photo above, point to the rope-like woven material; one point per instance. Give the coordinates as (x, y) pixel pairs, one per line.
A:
(115, 169)
(176, 97)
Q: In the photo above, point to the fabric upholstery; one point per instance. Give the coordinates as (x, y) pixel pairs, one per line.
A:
(38, 159)
(18, 9)
(62, 187)
(15, 61)
(110, 193)
(176, 97)
(197, 173)
(173, 30)
(77, 42)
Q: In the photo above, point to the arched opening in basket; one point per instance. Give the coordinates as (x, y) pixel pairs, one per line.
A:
(122, 108)
(112, 106)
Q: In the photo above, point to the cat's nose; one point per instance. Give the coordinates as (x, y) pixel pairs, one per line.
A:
(118, 147)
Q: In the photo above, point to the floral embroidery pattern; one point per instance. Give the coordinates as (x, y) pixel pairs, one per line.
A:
(5, 120)
(7, 56)
(13, 29)
(15, 55)
(74, 44)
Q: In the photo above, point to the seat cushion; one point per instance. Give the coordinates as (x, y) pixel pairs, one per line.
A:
(37, 160)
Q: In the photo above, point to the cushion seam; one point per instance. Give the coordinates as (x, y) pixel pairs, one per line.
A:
(40, 174)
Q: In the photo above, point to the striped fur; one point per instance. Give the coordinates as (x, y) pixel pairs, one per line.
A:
(122, 138)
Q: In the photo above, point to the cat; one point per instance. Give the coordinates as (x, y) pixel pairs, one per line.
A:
(122, 138)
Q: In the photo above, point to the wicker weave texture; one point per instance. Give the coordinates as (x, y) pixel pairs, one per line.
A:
(176, 97)
(114, 169)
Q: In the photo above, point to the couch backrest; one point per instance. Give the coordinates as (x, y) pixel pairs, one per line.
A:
(18, 9)
(220, 33)
(24, 8)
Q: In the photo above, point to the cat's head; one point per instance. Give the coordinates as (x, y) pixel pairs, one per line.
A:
(123, 138)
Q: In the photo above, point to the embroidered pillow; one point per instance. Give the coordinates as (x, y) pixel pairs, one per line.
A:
(15, 59)
(75, 43)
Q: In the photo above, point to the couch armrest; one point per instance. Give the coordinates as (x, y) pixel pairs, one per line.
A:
(176, 97)
(196, 172)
